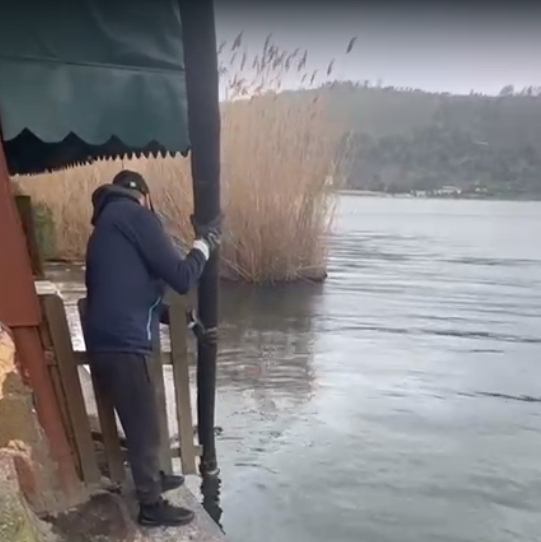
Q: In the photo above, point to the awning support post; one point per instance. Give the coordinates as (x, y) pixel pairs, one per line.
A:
(202, 85)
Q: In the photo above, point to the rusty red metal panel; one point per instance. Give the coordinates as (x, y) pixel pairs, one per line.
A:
(18, 299)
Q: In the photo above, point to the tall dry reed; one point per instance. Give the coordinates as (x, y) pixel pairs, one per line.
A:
(278, 153)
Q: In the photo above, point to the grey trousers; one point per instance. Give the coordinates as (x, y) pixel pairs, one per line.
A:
(125, 378)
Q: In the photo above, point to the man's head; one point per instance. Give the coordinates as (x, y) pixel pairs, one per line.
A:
(135, 182)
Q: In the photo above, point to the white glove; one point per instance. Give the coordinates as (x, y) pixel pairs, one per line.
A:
(203, 247)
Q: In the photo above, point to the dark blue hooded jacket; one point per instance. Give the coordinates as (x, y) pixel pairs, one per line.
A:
(129, 260)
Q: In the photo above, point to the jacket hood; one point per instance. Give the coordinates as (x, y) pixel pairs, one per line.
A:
(106, 193)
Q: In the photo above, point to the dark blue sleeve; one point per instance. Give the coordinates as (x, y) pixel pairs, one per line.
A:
(159, 253)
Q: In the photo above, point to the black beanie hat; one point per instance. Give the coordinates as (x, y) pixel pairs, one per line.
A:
(132, 180)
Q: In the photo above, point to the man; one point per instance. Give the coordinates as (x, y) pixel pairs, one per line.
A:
(129, 261)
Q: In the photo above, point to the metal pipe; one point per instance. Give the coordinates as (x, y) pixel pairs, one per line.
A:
(202, 87)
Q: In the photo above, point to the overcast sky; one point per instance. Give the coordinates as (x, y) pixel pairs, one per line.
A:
(404, 46)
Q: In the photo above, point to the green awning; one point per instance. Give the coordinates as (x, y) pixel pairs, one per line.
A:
(90, 78)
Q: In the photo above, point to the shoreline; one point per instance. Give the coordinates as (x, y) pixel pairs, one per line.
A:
(225, 277)
(458, 197)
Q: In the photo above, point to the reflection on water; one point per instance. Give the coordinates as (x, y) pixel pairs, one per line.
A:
(265, 357)
(210, 490)
(399, 400)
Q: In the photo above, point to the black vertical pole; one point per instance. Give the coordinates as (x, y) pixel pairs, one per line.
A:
(202, 85)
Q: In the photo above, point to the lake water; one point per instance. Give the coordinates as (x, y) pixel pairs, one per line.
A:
(401, 400)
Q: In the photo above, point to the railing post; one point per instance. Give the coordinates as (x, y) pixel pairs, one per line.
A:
(181, 379)
(57, 328)
(108, 426)
(161, 398)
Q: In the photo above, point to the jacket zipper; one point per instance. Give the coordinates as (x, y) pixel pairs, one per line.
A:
(149, 319)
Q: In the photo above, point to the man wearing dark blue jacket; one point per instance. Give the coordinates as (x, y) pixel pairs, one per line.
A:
(129, 261)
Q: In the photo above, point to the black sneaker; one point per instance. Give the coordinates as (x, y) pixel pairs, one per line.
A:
(171, 481)
(164, 514)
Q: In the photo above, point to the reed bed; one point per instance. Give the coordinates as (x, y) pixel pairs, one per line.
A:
(278, 155)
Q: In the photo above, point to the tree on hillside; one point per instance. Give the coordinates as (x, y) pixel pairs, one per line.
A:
(405, 141)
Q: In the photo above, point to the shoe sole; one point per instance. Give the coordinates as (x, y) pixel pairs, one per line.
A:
(153, 524)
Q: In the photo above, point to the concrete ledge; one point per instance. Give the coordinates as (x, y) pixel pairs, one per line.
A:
(202, 529)
(108, 517)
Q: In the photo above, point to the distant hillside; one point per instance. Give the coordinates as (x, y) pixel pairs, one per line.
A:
(405, 141)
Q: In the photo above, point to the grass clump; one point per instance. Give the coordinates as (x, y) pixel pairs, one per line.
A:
(278, 154)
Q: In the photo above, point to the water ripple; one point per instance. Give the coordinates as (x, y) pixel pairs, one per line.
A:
(398, 401)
